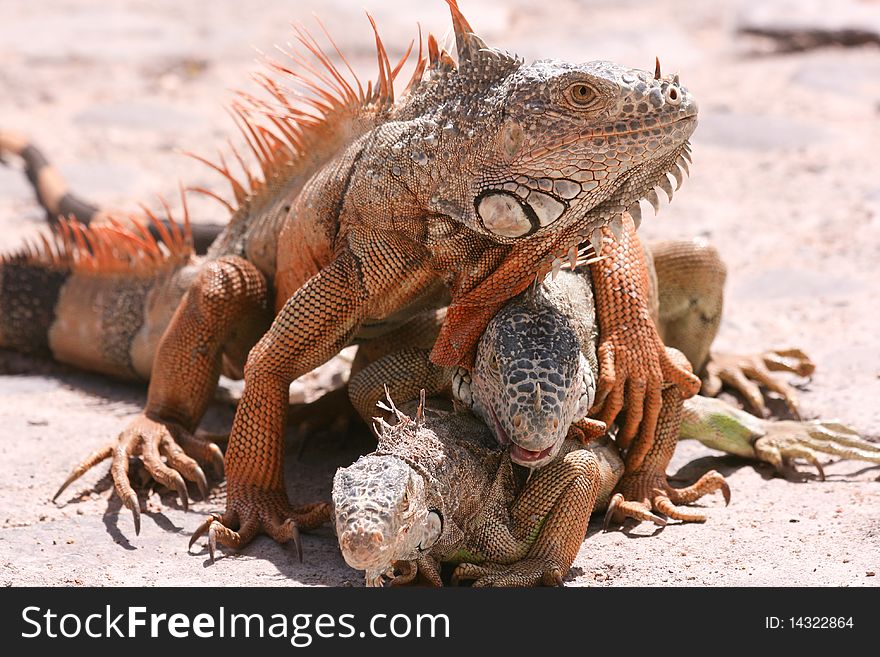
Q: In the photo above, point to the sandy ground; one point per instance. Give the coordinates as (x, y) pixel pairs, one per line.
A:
(785, 182)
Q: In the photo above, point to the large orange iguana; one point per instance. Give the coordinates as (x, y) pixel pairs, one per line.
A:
(484, 174)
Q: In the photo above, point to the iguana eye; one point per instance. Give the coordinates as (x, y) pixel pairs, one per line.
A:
(582, 95)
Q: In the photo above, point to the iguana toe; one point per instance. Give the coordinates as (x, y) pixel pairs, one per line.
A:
(746, 373)
(534, 571)
(785, 441)
(643, 496)
(259, 511)
(84, 466)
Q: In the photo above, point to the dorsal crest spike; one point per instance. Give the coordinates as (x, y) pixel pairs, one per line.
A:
(396, 70)
(467, 43)
(433, 50)
(657, 74)
(419, 70)
(446, 61)
(385, 84)
(187, 227)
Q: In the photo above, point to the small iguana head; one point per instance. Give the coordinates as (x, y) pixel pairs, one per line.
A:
(382, 515)
(529, 382)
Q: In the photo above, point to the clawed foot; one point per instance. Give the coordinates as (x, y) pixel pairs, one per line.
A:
(643, 497)
(786, 440)
(534, 571)
(745, 373)
(256, 511)
(152, 440)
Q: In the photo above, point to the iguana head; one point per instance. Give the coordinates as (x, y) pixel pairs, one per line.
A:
(530, 379)
(575, 137)
(382, 515)
(518, 151)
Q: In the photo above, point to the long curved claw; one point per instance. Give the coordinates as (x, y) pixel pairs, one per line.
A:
(131, 503)
(201, 483)
(620, 508)
(84, 466)
(202, 529)
(725, 492)
(180, 489)
(296, 540)
(611, 511)
(212, 541)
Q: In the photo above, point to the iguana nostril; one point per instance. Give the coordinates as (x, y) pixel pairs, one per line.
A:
(517, 420)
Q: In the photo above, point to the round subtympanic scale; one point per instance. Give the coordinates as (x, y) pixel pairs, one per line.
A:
(503, 215)
(547, 208)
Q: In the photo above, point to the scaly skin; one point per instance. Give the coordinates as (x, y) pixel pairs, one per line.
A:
(546, 341)
(439, 490)
(486, 174)
(434, 491)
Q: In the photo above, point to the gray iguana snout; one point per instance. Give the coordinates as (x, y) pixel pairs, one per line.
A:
(382, 515)
(530, 382)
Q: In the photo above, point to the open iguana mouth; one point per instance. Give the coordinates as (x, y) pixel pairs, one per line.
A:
(526, 456)
(518, 454)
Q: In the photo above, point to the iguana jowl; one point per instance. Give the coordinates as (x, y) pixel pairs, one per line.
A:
(484, 174)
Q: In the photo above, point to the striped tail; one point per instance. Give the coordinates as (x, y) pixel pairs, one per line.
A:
(29, 292)
(57, 200)
(98, 297)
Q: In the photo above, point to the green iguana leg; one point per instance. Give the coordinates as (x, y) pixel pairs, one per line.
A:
(645, 490)
(553, 510)
(221, 308)
(721, 426)
(315, 323)
(690, 278)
